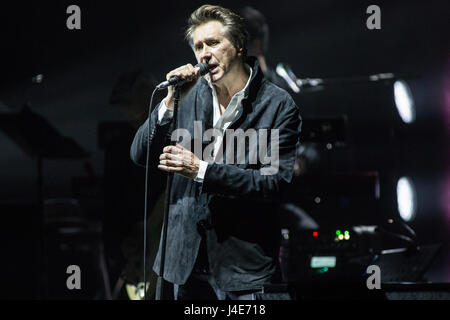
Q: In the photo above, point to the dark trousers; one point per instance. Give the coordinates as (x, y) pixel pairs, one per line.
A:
(202, 286)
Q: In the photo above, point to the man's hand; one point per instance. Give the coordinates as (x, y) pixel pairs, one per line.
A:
(179, 160)
(186, 72)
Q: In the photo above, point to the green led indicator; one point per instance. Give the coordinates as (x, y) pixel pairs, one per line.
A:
(322, 270)
(338, 232)
(346, 232)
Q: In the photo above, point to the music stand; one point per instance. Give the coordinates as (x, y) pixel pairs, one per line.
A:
(40, 140)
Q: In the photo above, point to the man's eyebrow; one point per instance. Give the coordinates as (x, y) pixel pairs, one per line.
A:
(205, 40)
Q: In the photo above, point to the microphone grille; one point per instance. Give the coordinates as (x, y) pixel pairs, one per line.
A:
(204, 68)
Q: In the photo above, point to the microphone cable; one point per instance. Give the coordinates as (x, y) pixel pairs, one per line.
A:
(147, 164)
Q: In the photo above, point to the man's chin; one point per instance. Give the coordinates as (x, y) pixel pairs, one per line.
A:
(215, 77)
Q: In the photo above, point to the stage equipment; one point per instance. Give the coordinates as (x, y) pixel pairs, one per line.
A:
(40, 140)
(328, 130)
(404, 101)
(406, 199)
(312, 84)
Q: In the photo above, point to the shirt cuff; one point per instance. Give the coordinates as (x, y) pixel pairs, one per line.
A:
(164, 113)
(201, 171)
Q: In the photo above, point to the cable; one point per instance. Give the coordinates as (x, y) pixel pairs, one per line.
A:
(147, 164)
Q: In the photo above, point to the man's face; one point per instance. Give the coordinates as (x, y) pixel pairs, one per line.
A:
(210, 45)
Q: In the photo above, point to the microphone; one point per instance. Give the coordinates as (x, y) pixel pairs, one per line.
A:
(204, 69)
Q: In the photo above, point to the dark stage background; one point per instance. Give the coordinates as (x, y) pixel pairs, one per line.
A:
(104, 191)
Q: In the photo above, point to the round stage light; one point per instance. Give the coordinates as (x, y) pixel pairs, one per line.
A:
(406, 199)
(404, 101)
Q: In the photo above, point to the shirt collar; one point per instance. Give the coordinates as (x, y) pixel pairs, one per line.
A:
(220, 121)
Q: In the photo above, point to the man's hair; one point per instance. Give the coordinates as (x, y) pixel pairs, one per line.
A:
(256, 25)
(235, 30)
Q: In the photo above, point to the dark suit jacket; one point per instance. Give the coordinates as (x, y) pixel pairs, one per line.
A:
(236, 206)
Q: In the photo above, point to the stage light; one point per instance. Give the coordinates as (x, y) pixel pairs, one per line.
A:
(406, 199)
(282, 72)
(404, 101)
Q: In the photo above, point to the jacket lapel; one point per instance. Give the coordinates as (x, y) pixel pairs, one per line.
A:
(205, 106)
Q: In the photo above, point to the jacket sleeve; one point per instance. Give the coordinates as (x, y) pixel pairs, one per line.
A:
(231, 181)
(151, 134)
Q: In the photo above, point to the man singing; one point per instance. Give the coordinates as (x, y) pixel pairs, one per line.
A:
(223, 235)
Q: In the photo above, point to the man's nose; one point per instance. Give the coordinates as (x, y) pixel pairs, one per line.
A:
(205, 56)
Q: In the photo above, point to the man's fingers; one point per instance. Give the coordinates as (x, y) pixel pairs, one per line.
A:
(169, 156)
(171, 149)
(187, 72)
(171, 163)
(177, 159)
(197, 71)
(169, 169)
(176, 149)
